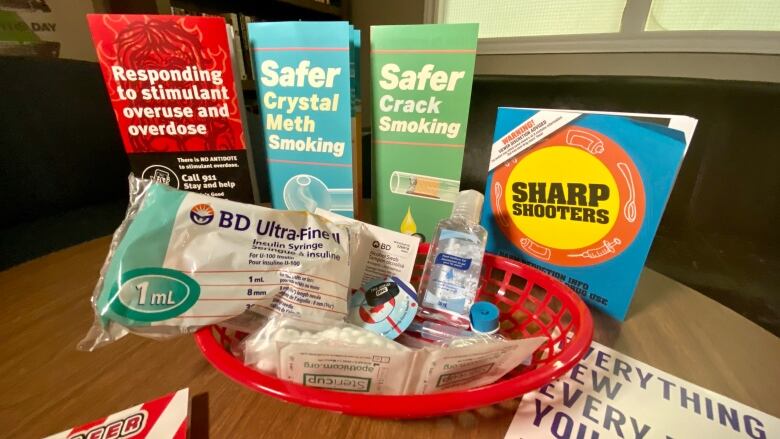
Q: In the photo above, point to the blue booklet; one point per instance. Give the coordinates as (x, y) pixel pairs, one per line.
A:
(579, 195)
(302, 71)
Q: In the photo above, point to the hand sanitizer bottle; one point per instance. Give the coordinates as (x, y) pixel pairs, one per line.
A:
(451, 275)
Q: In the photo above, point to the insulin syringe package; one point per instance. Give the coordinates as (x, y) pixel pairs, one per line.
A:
(181, 260)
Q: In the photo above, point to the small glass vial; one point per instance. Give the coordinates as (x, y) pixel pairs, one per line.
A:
(451, 275)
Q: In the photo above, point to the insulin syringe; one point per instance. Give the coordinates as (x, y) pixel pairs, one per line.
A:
(437, 332)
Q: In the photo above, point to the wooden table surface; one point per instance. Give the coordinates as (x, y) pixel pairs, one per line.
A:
(46, 386)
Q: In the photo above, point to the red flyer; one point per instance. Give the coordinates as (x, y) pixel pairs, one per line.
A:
(162, 418)
(171, 84)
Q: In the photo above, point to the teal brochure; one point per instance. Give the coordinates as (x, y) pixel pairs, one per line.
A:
(303, 82)
(579, 195)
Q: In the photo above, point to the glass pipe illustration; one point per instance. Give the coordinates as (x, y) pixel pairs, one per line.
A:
(535, 249)
(307, 192)
(424, 186)
(502, 218)
(585, 140)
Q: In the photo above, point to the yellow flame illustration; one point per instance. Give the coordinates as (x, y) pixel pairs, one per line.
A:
(408, 226)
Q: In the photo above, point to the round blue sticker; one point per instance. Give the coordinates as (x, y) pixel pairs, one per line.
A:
(385, 306)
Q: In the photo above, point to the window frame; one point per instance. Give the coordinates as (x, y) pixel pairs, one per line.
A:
(631, 38)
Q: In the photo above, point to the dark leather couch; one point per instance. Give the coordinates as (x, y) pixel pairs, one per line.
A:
(63, 172)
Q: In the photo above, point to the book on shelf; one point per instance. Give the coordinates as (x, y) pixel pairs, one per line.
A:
(246, 48)
(231, 18)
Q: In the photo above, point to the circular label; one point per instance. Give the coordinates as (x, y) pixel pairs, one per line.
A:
(575, 199)
(153, 294)
(201, 214)
(385, 306)
(562, 197)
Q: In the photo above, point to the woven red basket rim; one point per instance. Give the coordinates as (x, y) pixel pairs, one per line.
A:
(411, 406)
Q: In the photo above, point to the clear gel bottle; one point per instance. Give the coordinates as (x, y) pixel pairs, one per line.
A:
(451, 275)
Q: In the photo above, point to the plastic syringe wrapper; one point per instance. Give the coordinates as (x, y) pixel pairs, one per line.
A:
(348, 358)
(180, 261)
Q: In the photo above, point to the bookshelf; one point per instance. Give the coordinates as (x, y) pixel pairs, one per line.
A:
(239, 13)
(268, 10)
(325, 8)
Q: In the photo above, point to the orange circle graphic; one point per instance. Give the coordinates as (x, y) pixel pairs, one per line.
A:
(630, 211)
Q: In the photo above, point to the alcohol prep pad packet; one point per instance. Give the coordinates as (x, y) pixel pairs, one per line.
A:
(181, 260)
(341, 356)
(330, 355)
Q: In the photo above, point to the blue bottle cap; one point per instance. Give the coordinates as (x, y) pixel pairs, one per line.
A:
(484, 317)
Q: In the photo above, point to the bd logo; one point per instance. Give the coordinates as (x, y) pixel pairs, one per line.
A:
(381, 245)
(201, 214)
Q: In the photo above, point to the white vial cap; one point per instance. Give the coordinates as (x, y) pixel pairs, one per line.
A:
(468, 205)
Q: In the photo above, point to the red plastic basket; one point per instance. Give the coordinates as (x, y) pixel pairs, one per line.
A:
(531, 304)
